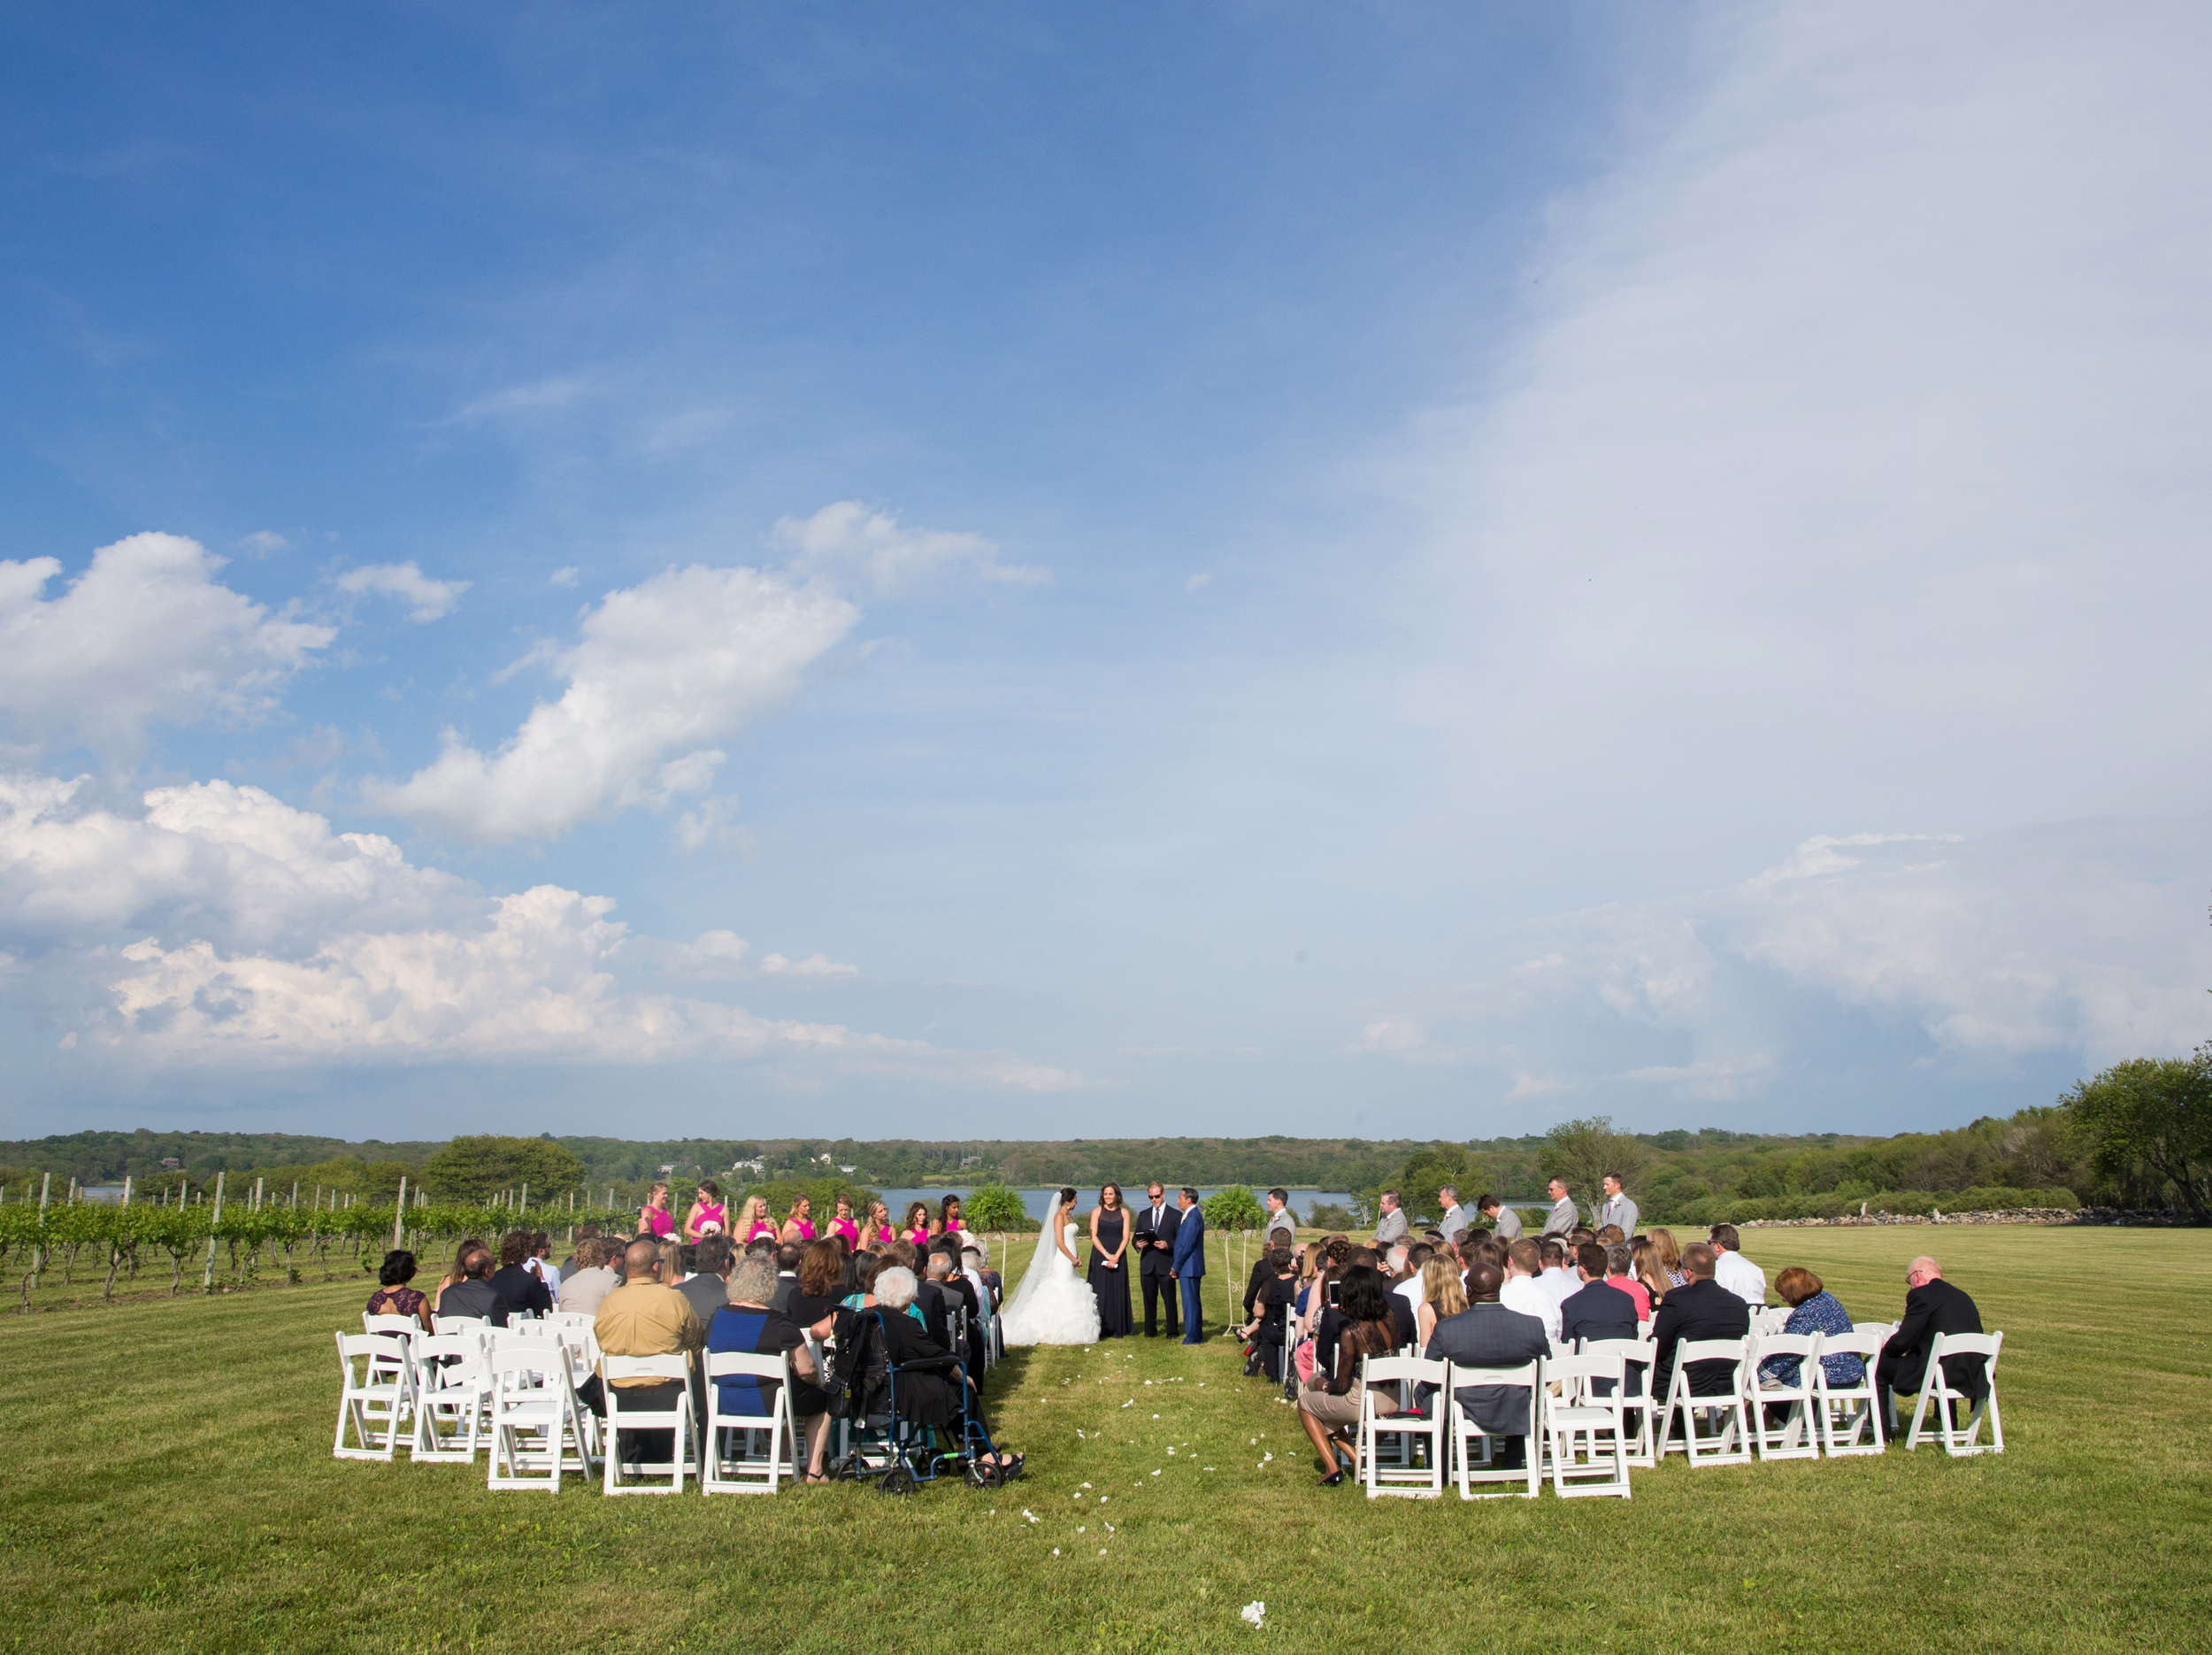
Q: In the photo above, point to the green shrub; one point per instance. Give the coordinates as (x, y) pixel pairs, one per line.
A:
(995, 1210)
(1235, 1208)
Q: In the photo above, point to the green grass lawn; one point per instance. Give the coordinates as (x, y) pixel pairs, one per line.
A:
(169, 1486)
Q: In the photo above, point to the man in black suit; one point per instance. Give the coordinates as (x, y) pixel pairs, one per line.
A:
(1700, 1308)
(1595, 1310)
(1487, 1334)
(1932, 1306)
(1156, 1268)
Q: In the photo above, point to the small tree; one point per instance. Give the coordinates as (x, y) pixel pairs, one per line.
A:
(2153, 1113)
(1583, 1152)
(1235, 1208)
(472, 1169)
(995, 1210)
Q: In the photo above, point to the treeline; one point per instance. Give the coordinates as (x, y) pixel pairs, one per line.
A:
(2139, 1134)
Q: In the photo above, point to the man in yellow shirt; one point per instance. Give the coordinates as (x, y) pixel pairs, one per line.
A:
(643, 1317)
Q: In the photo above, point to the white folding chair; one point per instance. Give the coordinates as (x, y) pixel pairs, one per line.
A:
(1958, 1440)
(1643, 1331)
(1466, 1434)
(1639, 1408)
(677, 1420)
(1407, 1426)
(459, 1324)
(1589, 1432)
(1858, 1406)
(379, 1393)
(537, 1429)
(450, 1390)
(1794, 1435)
(1730, 1437)
(405, 1327)
(726, 1463)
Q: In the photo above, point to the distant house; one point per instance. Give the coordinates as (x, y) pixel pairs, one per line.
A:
(848, 1171)
(755, 1168)
(109, 1195)
(170, 1164)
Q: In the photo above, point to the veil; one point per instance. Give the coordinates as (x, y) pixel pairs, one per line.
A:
(1034, 1278)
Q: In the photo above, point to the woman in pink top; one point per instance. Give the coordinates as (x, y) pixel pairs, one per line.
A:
(654, 1218)
(799, 1226)
(950, 1209)
(842, 1226)
(708, 1215)
(754, 1220)
(916, 1229)
(877, 1227)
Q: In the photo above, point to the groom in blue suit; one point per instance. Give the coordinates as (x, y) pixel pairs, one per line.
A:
(1190, 1263)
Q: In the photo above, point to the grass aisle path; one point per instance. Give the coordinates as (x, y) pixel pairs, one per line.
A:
(168, 1486)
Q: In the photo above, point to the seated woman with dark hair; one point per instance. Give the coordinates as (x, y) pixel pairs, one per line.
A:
(1359, 1325)
(1272, 1295)
(1813, 1310)
(821, 1284)
(519, 1289)
(394, 1297)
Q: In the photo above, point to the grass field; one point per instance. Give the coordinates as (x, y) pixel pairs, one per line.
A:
(169, 1486)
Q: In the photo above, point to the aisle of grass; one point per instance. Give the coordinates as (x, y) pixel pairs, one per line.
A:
(168, 1486)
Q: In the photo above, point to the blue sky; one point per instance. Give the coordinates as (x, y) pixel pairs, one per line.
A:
(1424, 570)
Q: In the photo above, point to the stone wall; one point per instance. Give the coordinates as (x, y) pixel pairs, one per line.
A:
(2017, 1215)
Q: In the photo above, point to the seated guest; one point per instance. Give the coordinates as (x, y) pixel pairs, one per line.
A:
(972, 1266)
(1611, 1236)
(1669, 1253)
(1489, 1334)
(588, 1281)
(469, 1245)
(1442, 1294)
(744, 1324)
(1268, 1328)
(643, 1318)
(584, 1233)
(540, 1262)
(1328, 1405)
(472, 1294)
(1700, 1308)
(1558, 1279)
(1735, 1271)
(1932, 1306)
(708, 1290)
(787, 1253)
(1620, 1272)
(820, 1284)
(393, 1297)
(1413, 1285)
(1643, 1255)
(979, 1264)
(1813, 1309)
(861, 1276)
(1599, 1309)
(1522, 1290)
(933, 1397)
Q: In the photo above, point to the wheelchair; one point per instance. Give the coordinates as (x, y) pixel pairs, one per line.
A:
(896, 1453)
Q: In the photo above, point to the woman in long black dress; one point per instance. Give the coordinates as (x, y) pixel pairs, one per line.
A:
(1110, 1267)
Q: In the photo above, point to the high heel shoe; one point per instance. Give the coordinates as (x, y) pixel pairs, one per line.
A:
(1335, 1479)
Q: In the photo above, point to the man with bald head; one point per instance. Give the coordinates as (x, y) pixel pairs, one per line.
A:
(1488, 1334)
(644, 1318)
(1932, 1306)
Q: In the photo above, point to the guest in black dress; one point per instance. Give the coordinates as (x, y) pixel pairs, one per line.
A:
(1109, 1262)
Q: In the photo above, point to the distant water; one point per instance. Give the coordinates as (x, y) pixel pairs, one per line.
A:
(1038, 1202)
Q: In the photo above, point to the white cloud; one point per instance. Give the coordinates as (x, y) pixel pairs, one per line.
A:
(562, 577)
(429, 599)
(1849, 460)
(849, 540)
(264, 542)
(664, 669)
(145, 635)
(1197, 581)
(296, 946)
(557, 392)
(2081, 941)
(712, 824)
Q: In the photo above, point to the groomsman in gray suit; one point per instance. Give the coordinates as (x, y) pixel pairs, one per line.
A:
(1393, 1227)
(1281, 1220)
(1618, 1209)
(1563, 1215)
(1507, 1220)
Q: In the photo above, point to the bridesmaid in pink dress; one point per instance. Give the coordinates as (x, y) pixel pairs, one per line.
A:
(916, 1229)
(843, 1228)
(756, 1221)
(707, 1210)
(654, 1218)
(878, 1227)
(799, 1226)
(951, 1210)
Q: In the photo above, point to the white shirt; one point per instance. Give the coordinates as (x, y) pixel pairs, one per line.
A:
(547, 1272)
(1530, 1297)
(1413, 1291)
(1741, 1277)
(1561, 1284)
(1453, 1221)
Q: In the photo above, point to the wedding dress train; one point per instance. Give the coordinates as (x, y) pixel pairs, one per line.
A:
(1053, 1305)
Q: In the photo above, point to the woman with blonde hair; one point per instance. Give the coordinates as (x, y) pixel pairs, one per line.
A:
(842, 1228)
(754, 1220)
(1442, 1294)
(876, 1229)
(799, 1226)
(1669, 1253)
(654, 1219)
(1646, 1271)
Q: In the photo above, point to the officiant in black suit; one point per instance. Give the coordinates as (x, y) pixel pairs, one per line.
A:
(1156, 1265)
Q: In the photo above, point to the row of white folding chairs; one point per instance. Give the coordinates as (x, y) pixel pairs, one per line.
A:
(505, 1389)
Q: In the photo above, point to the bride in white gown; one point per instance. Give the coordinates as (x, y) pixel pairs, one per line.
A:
(1054, 1304)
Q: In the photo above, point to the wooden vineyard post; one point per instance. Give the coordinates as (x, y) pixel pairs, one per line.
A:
(207, 1279)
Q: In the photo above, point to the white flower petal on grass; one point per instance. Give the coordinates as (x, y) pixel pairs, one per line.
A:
(1253, 1613)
